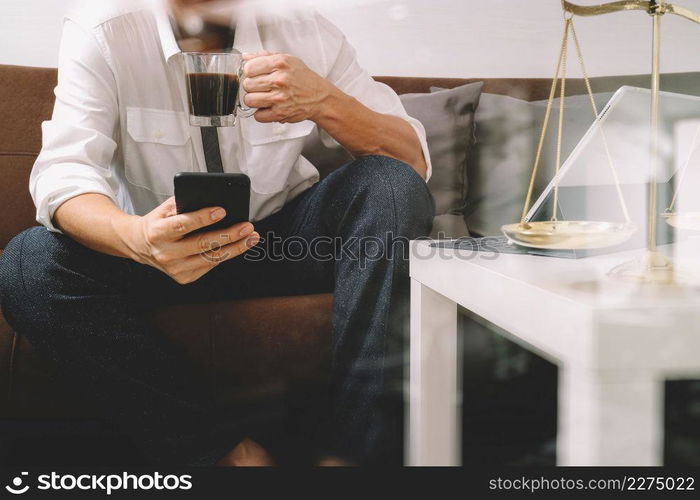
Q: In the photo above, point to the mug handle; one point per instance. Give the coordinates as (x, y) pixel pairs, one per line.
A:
(244, 111)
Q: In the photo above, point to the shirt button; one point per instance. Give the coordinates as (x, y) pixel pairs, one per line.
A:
(278, 128)
(159, 134)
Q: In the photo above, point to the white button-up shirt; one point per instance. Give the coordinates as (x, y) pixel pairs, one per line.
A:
(120, 125)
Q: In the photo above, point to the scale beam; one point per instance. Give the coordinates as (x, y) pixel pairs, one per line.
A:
(607, 8)
(652, 7)
(683, 12)
(570, 234)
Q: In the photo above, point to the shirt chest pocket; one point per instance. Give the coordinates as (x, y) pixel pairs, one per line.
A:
(157, 146)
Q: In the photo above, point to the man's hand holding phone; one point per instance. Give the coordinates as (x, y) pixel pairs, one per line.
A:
(162, 239)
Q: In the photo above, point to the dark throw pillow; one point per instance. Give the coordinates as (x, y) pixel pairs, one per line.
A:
(448, 118)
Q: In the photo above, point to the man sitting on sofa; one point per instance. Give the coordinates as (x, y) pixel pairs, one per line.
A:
(115, 248)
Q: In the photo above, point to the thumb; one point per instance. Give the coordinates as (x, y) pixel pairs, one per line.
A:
(167, 209)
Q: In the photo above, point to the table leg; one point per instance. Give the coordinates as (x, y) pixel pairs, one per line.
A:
(604, 420)
(434, 436)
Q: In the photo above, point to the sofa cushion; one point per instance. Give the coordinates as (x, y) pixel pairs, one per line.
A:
(448, 118)
(16, 207)
(507, 133)
(255, 347)
(245, 349)
(27, 100)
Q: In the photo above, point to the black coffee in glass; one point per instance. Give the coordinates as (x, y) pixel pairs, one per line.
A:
(214, 81)
(213, 94)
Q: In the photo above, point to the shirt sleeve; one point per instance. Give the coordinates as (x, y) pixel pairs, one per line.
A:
(346, 73)
(79, 140)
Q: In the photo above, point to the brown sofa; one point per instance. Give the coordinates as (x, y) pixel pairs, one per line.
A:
(245, 347)
(274, 344)
(278, 342)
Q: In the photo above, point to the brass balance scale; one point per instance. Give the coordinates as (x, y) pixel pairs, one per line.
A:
(653, 267)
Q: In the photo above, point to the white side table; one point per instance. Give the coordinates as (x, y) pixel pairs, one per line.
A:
(615, 344)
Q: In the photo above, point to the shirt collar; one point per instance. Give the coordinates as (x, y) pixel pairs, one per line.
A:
(248, 39)
(247, 33)
(165, 30)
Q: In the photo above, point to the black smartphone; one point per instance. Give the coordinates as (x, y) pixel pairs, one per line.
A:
(197, 190)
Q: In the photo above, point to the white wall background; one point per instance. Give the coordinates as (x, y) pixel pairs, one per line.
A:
(459, 38)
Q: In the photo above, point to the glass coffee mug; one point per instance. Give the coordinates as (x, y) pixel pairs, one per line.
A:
(214, 82)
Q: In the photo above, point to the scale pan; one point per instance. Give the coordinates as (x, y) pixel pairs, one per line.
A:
(683, 220)
(569, 235)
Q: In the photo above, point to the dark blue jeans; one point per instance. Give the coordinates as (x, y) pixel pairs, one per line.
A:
(89, 312)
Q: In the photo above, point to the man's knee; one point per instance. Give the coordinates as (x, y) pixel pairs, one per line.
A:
(394, 186)
(36, 247)
(29, 261)
(11, 280)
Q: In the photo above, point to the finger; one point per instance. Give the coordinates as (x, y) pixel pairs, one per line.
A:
(214, 241)
(264, 65)
(265, 116)
(230, 251)
(167, 209)
(262, 83)
(249, 56)
(194, 267)
(177, 227)
(261, 100)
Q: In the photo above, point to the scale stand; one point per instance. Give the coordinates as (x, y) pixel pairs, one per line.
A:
(653, 267)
